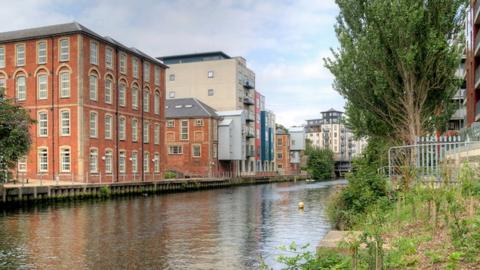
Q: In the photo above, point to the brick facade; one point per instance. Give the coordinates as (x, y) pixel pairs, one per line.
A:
(202, 133)
(283, 153)
(79, 73)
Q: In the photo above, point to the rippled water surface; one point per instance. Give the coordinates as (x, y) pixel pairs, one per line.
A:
(229, 228)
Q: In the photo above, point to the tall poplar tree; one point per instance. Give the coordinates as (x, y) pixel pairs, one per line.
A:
(396, 64)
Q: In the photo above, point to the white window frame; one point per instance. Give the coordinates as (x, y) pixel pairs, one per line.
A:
(123, 63)
(156, 102)
(108, 126)
(42, 87)
(64, 83)
(146, 162)
(42, 54)
(93, 52)
(122, 161)
(3, 85)
(146, 133)
(21, 89)
(156, 75)
(93, 86)
(170, 123)
(109, 57)
(122, 94)
(210, 92)
(171, 94)
(210, 74)
(171, 77)
(108, 161)
(199, 150)
(65, 123)
(134, 160)
(146, 100)
(22, 164)
(199, 122)
(93, 160)
(64, 49)
(135, 67)
(20, 57)
(42, 165)
(184, 133)
(122, 128)
(93, 124)
(156, 134)
(175, 149)
(108, 90)
(146, 72)
(2, 56)
(65, 167)
(135, 97)
(134, 130)
(42, 123)
(156, 162)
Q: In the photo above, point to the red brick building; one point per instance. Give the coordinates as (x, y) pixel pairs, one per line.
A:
(90, 96)
(282, 158)
(472, 65)
(191, 138)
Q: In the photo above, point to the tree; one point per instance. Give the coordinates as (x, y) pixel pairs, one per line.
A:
(320, 164)
(14, 136)
(396, 64)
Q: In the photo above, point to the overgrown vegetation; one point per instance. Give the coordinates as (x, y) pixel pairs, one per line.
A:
(320, 164)
(170, 175)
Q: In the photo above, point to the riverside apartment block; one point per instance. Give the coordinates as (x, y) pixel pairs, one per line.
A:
(98, 104)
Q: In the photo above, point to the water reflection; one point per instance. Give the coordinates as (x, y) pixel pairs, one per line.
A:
(216, 229)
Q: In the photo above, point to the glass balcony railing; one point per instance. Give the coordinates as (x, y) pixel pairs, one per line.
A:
(477, 77)
(248, 100)
(250, 116)
(477, 111)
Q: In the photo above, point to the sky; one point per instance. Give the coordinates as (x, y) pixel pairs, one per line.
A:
(283, 41)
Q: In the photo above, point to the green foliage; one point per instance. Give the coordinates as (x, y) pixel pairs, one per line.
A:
(396, 64)
(15, 139)
(366, 189)
(105, 191)
(320, 164)
(170, 175)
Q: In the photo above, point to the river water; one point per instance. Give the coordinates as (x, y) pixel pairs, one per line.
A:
(229, 228)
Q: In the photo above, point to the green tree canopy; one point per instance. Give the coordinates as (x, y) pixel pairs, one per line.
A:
(396, 64)
(14, 132)
(320, 164)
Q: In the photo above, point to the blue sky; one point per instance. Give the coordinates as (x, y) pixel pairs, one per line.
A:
(283, 41)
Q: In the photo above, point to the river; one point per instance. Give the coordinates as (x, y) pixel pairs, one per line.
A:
(229, 228)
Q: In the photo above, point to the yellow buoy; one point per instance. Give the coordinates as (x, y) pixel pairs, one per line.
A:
(301, 205)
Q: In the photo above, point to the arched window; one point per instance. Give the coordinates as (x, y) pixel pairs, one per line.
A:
(156, 103)
(146, 101)
(93, 87)
(122, 94)
(21, 87)
(64, 80)
(42, 86)
(108, 90)
(135, 97)
(108, 161)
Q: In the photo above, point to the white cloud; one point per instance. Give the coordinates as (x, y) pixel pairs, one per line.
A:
(284, 41)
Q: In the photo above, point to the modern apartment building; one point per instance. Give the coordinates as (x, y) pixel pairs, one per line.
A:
(192, 138)
(98, 104)
(224, 83)
(267, 141)
(457, 120)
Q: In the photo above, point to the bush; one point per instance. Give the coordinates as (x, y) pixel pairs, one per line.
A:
(105, 191)
(366, 188)
(170, 175)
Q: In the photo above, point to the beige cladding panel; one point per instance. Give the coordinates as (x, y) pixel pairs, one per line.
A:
(191, 80)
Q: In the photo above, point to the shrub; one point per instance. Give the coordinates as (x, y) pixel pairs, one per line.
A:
(170, 175)
(321, 165)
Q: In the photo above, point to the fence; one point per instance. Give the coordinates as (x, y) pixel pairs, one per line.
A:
(430, 157)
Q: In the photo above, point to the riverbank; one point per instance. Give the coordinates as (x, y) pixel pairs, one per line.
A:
(12, 195)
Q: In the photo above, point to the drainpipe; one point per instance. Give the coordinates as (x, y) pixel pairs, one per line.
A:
(142, 118)
(117, 86)
(52, 54)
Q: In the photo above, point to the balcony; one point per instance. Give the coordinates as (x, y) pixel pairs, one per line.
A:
(459, 114)
(248, 85)
(460, 95)
(477, 44)
(248, 101)
(476, 12)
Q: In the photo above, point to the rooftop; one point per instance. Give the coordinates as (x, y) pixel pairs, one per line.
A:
(66, 29)
(194, 57)
(188, 107)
